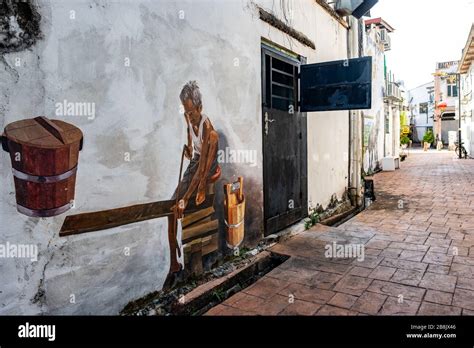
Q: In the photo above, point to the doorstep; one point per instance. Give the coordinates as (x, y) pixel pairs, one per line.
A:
(390, 163)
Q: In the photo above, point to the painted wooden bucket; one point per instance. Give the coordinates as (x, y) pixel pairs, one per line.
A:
(44, 155)
(234, 210)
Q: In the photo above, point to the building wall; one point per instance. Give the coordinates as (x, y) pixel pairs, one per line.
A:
(328, 132)
(137, 114)
(132, 144)
(422, 121)
(396, 132)
(388, 151)
(447, 127)
(441, 95)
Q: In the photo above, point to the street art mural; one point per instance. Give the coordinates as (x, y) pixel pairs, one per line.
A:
(123, 228)
(202, 171)
(44, 157)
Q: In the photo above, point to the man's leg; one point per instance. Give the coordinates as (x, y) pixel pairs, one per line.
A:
(175, 266)
(170, 278)
(173, 243)
(211, 153)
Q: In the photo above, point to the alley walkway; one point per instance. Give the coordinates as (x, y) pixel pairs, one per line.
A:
(418, 242)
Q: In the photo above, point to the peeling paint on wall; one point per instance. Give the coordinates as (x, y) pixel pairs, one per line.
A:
(374, 118)
(19, 25)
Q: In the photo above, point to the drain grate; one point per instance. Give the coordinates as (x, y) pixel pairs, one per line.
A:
(200, 299)
(239, 281)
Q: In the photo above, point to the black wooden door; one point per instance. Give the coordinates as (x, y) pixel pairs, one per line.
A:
(284, 144)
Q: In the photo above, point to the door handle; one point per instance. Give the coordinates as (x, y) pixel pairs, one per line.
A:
(267, 121)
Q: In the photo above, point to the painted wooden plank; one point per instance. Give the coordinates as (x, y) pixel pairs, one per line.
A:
(190, 219)
(207, 244)
(105, 219)
(212, 245)
(200, 230)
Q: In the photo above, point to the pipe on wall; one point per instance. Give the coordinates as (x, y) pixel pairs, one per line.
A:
(354, 49)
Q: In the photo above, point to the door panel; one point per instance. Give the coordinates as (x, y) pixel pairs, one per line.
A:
(284, 145)
(284, 170)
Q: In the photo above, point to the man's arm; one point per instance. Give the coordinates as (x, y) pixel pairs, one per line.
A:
(189, 148)
(209, 154)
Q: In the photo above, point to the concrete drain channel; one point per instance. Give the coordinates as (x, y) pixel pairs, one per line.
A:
(194, 301)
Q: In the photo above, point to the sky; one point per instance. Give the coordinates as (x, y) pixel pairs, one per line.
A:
(426, 32)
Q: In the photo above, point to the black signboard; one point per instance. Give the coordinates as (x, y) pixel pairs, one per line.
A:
(336, 85)
(364, 8)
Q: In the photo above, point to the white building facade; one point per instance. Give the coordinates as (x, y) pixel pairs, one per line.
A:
(382, 121)
(446, 120)
(421, 110)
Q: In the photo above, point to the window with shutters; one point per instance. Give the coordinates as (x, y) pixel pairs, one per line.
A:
(281, 84)
(423, 108)
(452, 90)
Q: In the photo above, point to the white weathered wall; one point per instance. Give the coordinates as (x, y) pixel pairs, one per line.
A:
(420, 95)
(396, 132)
(137, 111)
(328, 132)
(389, 135)
(374, 151)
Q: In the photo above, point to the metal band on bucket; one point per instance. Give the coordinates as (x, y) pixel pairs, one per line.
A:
(44, 179)
(233, 225)
(44, 212)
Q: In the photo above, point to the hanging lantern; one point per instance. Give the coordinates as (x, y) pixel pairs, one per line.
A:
(442, 105)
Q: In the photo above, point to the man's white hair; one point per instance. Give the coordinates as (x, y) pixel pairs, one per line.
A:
(191, 91)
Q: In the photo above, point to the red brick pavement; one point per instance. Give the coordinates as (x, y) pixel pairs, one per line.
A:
(418, 240)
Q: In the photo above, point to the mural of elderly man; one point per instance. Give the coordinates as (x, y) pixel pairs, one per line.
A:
(201, 150)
